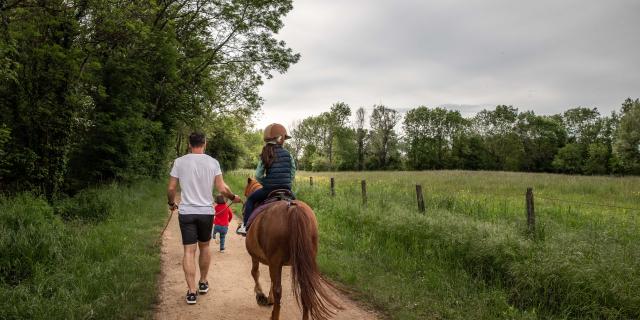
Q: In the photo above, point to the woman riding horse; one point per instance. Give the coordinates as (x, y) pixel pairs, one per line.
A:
(276, 170)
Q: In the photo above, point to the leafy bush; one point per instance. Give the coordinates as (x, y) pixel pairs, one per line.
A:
(31, 237)
(88, 205)
(320, 163)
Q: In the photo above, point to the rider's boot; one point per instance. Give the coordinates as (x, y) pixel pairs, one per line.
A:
(242, 230)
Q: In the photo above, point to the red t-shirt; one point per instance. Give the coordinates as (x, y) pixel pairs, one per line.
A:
(223, 215)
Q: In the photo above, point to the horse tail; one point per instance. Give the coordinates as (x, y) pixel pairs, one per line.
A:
(309, 287)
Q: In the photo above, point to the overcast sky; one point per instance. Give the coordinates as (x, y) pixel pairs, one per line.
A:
(540, 55)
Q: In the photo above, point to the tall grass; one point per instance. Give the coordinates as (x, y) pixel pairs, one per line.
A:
(95, 267)
(469, 255)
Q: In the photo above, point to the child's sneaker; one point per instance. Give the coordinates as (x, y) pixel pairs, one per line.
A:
(191, 297)
(203, 287)
(242, 230)
(222, 250)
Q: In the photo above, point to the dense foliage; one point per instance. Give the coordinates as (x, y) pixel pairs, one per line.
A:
(94, 90)
(578, 141)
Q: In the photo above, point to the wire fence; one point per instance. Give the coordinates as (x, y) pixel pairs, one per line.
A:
(602, 205)
(332, 185)
(366, 194)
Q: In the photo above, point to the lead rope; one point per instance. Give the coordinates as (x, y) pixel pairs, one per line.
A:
(159, 240)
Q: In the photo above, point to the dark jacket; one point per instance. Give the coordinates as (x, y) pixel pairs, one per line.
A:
(279, 175)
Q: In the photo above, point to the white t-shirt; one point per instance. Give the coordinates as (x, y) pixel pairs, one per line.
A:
(196, 174)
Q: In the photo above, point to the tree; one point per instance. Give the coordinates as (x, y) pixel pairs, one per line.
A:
(310, 135)
(4, 138)
(228, 141)
(541, 138)
(384, 140)
(627, 143)
(100, 90)
(252, 141)
(597, 161)
(497, 129)
(470, 153)
(582, 124)
(430, 136)
(335, 121)
(569, 159)
(346, 150)
(40, 92)
(361, 137)
(323, 132)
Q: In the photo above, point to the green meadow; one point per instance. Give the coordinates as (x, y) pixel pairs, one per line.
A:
(92, 256)
(470, 255)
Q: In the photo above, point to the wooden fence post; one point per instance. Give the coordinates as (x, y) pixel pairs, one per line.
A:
(333, 185)
(311, 181)
(531, 213)
(364, 192)
(420, 198)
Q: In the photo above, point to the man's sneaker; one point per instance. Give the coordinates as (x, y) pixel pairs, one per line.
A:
(191, 297)
(203, 287)
(242, 230)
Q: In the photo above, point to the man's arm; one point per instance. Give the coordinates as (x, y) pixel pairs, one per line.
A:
(225, 190)
(171, 192)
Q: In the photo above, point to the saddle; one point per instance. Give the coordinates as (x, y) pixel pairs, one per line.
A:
(273, 197)
(280, 194)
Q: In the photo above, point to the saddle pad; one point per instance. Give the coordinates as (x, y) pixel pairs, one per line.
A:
(257, 211)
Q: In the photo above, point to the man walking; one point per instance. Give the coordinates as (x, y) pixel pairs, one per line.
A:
(197, 173)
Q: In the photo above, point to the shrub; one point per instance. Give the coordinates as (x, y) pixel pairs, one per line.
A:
(106, 270)
(31, 237)
(88, 206)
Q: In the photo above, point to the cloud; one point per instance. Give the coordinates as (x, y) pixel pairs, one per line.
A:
(545, 56)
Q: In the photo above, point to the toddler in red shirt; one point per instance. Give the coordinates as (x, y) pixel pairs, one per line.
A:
(223, 216)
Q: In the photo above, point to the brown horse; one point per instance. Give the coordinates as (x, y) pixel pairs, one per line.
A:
(286, 234)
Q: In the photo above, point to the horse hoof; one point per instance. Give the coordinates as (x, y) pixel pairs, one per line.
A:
(262, 299)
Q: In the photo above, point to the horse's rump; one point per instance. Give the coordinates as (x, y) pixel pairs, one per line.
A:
(285, 232)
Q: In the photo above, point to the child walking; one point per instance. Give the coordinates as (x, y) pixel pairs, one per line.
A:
(223, 215)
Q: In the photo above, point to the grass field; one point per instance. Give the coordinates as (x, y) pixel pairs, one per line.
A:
(98, 263)
(470, 256)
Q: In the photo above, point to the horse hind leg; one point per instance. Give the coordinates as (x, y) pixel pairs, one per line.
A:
(261, 299)
(276, 288)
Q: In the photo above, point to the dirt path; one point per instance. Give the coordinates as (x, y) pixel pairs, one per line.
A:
(231, 286)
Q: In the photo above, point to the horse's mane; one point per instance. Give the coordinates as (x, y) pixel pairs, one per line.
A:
(252, 185)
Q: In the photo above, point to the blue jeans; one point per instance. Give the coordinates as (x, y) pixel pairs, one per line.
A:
(257, 196)
(223, 234)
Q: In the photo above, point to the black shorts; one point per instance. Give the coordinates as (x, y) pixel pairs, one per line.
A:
(195, 227)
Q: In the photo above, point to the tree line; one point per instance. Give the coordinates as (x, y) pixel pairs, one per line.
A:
(100, 90)
(578, 141)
